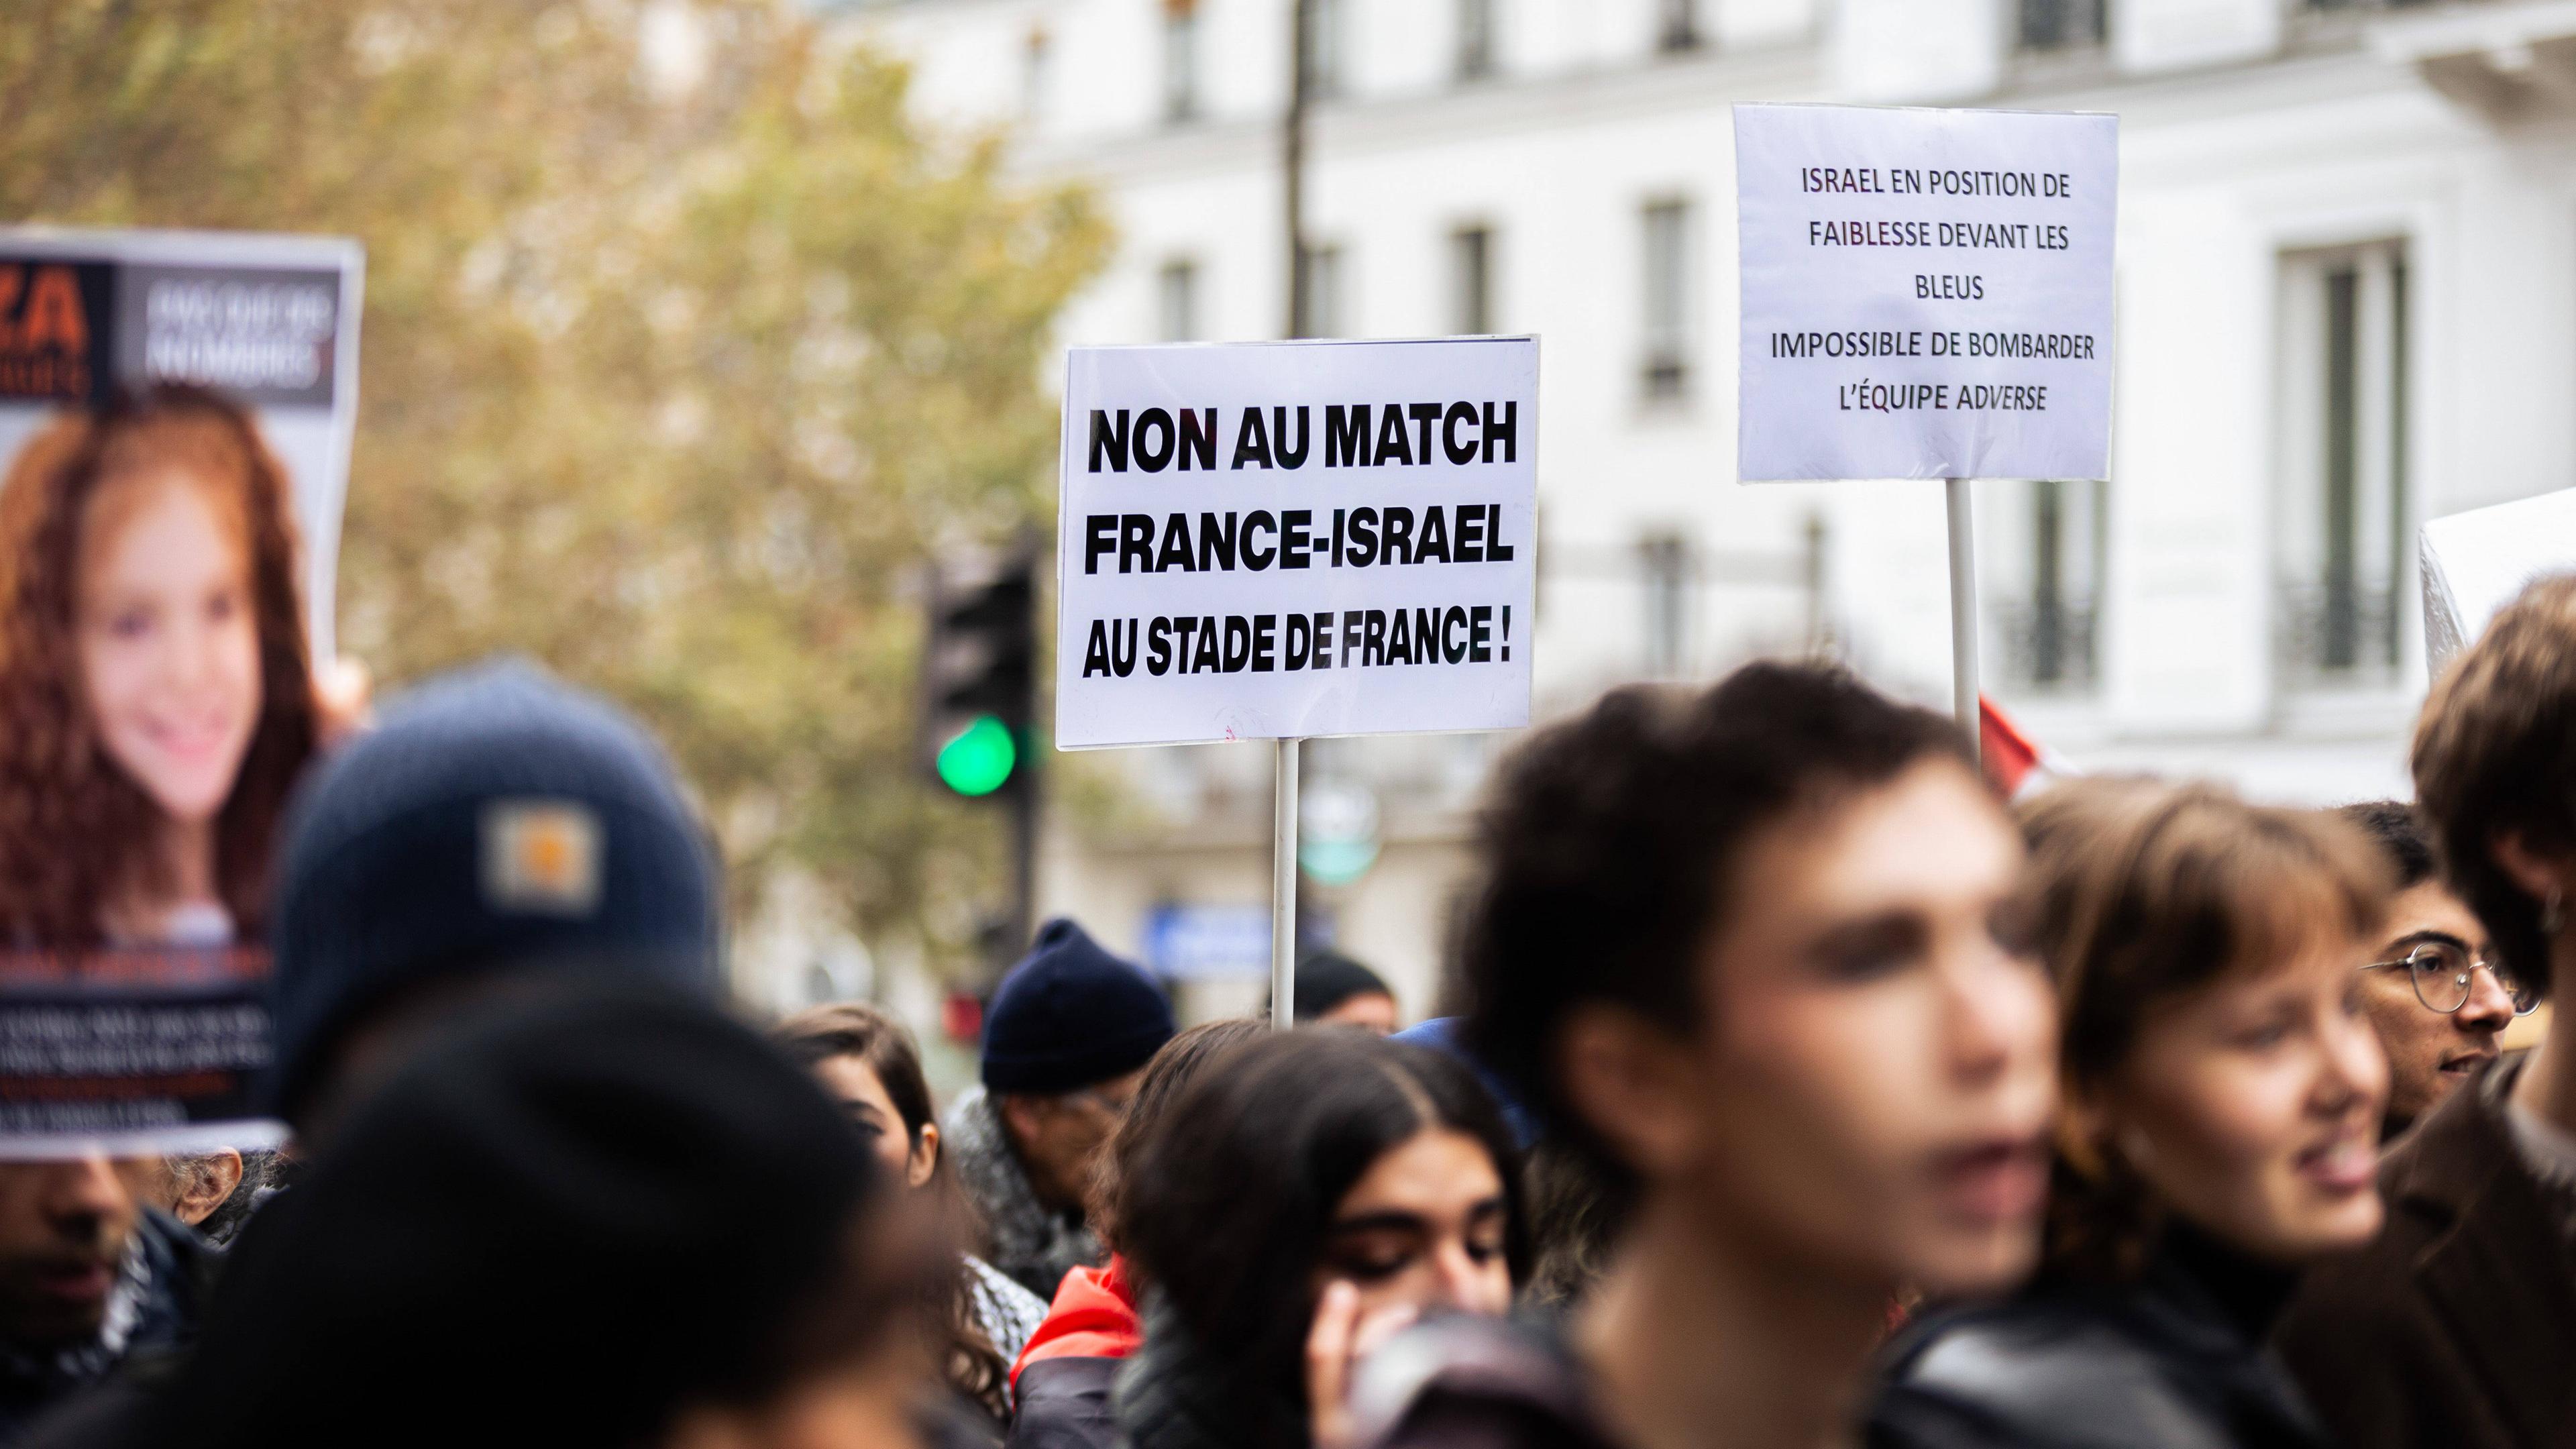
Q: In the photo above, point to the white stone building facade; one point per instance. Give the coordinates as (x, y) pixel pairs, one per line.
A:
(2346, 304)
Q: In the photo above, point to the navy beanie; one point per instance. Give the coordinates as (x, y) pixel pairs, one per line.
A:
(1329, 978)
(1069, 1015)
(495, 821)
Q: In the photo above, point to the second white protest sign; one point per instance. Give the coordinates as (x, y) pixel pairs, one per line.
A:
(1282, 540)
(1926, 294)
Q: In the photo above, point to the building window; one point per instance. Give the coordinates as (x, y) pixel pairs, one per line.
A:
(1676, 25)
(2047, 609)
(1476, 47)
(1471, 281)
(1180, 59)
(1176, 300)
(2347, 515)
(2058, 24)
(1321, 24)
(1664, 568)
(1666, 363)
(1319, 292)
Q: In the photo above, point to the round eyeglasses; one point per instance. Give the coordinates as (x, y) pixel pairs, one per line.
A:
(2441, 973)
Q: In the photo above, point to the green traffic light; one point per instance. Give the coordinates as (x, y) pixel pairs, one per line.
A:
(980, 759)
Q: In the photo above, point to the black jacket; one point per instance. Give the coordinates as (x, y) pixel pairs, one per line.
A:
(2456, 1326)
(1064, 1404)
(2173, 1361)
(163, 1286)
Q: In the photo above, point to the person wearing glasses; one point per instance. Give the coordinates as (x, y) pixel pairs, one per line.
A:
(1065, 1045)
(2458, 1325)
(2437, 995)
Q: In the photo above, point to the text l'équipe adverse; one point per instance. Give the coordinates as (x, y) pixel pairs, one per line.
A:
(1289, 539)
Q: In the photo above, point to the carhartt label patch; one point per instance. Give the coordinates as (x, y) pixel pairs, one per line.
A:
(541, 856)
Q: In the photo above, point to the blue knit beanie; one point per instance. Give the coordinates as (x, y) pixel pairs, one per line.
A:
(494, 822)
(1069, 1015)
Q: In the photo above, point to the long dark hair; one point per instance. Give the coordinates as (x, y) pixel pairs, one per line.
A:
(853, 1029)
(73, 828)
(1227, 1205)
(1167, 1077)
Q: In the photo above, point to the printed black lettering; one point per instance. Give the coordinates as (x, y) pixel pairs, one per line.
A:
(1252, 440)
(1290, 457)
(1390, 437)
(1399, 535)
(1154, 457)
(1099, 536)
(1216, 541)
(1198, 439)
(1460, 454)
(1109, 442)
(1363, 545)
(1423, 415)
(1433, 546)
(1507, 431)
(1259, 518)
(1346, 436)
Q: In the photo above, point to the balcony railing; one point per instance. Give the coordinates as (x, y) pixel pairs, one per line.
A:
(2048, 646)
(2334, 636)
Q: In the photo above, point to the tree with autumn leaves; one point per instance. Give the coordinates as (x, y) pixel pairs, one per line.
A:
(683, 345)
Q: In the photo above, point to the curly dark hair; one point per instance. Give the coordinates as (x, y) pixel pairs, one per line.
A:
(2495, 755)
(1609, 840)
(71, 821)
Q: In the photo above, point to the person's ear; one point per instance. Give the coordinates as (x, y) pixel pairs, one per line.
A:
(925, 1156)
(2537, 874)
(1634, 1083)
(218, 1173)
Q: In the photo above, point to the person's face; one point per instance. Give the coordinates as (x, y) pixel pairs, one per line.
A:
(1060, 1136)
(63, 1229)
(855, 1085)
(1370, 1010)
(1868, 1097)
(2251, 1107)
(2430, 1052)
(168, 640)
(1423, 1229)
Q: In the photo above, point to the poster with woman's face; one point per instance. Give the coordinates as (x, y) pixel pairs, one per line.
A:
(176, 411)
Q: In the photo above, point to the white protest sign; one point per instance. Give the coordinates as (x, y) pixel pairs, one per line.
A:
(2475, 563)
(1284, 540)
(1926, 294)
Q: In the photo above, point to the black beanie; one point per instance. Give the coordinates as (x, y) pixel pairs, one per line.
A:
(494, 821)
(1327, 979)
(561, 1225)
(1069, 1015)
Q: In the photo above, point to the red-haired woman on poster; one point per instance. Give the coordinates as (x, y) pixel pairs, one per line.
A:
(156, 689)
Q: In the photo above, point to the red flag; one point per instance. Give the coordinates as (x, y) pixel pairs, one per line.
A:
(2014, 762)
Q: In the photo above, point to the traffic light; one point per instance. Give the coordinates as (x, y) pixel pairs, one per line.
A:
(979, 679)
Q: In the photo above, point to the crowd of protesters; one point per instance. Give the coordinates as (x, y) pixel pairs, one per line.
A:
(1798, 1091)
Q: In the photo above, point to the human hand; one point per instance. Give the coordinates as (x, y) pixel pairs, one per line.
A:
(1343, 1336)
(343, 698)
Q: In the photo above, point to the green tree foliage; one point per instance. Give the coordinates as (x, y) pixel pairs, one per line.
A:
(682, 346)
